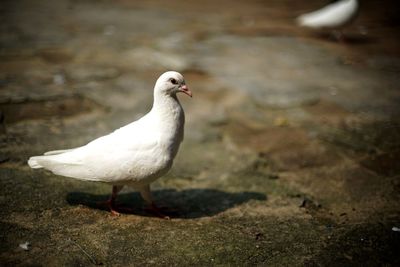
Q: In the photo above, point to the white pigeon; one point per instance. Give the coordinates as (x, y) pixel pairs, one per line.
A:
(134, 155)
(332, 16)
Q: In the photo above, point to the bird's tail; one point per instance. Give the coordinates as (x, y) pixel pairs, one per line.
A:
(56, 152)
(33, 162)
(36, 162)
(301, 20)
(62, 166)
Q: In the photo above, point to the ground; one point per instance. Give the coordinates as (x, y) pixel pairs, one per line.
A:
(292, 139)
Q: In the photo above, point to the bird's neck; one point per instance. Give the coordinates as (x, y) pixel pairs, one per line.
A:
(168, 109)
(169, 120)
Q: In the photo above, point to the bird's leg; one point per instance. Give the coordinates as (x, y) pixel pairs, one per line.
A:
(339, 36)
(146, 195)
(111, 201)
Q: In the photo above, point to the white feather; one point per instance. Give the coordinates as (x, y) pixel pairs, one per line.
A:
(56, 152)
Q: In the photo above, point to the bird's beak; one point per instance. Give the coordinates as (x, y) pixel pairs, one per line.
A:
(184, 89)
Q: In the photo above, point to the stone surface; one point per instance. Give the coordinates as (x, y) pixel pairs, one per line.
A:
(291, 146)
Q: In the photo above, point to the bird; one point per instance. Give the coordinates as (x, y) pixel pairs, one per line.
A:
(333, 16)
(134, 155)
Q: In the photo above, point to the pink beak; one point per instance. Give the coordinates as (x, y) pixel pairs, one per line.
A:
(185, 90)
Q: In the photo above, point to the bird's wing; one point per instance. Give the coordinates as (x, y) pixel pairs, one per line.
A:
(97, 160)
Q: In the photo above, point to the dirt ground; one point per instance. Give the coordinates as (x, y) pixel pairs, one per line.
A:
(291, 154)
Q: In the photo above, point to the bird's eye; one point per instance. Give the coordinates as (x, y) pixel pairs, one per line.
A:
(173, 81)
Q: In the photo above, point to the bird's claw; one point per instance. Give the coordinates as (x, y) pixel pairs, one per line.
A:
(157, 211)
(115, 213)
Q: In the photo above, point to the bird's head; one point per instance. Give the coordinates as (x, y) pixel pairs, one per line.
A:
(172, 82)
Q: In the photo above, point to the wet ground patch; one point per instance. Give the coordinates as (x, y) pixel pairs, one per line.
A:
(377, 144)
(61, 106)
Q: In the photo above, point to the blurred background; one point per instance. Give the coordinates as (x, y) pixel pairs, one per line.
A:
(292, 139)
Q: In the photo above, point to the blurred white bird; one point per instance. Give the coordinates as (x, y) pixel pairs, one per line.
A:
(134, 155)
(332, 16)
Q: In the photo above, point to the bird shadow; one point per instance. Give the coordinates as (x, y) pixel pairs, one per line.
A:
(348, 38)
(188, 203)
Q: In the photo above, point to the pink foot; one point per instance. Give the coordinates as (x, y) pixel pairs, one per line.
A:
(114, 212)
(157, 211)
(110, 204)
